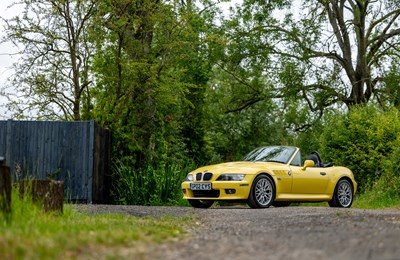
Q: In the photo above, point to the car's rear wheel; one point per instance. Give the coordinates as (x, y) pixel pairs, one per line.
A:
(201, 203)
(262, 192)
(343, 195)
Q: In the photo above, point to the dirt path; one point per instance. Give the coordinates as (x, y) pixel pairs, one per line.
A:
(276, 233)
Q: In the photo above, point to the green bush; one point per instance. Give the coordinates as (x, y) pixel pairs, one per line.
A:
(385, 192)
(148, 185)
(362, 140)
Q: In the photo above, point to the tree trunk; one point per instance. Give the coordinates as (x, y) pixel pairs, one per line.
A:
(5, 189)
(49, 194)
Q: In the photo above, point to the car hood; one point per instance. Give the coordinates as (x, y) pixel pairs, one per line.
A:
(237, 167)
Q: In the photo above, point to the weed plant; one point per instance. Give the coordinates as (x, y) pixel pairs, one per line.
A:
(148, 185)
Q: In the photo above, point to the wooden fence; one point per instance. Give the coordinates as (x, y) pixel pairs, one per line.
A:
(78, 153)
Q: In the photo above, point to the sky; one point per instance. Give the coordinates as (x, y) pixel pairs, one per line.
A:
(6, 49)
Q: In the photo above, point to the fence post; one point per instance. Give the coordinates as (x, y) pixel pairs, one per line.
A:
(9, 143)
(48, 193)
(5, 187)
(90, 171)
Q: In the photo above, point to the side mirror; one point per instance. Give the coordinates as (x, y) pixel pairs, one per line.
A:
(308, 163)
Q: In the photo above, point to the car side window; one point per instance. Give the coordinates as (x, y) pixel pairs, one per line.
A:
(296, 160)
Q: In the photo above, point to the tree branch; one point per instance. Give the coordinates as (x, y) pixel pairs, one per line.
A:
(379, 41)
(373, 24)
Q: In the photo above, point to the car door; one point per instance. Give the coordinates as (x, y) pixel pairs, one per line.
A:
(312, 180)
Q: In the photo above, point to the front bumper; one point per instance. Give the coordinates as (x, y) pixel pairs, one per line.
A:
(221, 190)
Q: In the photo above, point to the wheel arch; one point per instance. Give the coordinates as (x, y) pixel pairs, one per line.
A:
(347, 178)
(269, 175)
(260, 198)
(344, 173)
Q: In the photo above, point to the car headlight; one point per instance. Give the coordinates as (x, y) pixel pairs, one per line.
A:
(189, 177)
(231, 177)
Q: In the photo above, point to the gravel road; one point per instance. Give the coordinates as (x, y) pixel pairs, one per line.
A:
(275, 233)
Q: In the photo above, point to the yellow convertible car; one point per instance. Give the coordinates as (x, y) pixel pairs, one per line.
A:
(272, 175)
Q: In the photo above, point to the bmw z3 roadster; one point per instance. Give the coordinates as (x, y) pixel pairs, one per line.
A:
(272, 175)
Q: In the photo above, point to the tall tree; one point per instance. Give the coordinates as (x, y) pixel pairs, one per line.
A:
(197, 64)
(148, 71)
(323, 51)
(52, 76)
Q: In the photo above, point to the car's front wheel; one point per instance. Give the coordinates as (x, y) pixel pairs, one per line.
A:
(262, 192)
(204, 204)
(343, 195)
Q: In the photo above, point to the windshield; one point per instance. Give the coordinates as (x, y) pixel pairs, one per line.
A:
(280, 154)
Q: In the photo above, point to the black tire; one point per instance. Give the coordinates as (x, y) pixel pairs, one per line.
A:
(281, 204)
(204, 204)
(262, 193)
(343, 195)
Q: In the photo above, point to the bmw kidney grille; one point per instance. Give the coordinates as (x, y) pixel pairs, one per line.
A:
(205, 177)
(198, 176)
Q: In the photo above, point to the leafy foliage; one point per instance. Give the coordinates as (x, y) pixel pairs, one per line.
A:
(385, 192)
(231, 135)
(325, 52)
(363, 140)
(152, 79)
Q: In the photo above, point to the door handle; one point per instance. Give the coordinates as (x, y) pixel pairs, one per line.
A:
(322, 173)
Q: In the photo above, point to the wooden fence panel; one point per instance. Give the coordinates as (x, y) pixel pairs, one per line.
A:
(74, 152)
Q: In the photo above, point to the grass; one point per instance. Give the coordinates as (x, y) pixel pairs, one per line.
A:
(376, 199)
(384, 193)
(30, 233)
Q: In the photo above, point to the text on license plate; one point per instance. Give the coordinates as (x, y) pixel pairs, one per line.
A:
(200, 186)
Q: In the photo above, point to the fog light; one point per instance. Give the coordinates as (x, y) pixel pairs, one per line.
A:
(184, 191)
(230, 191)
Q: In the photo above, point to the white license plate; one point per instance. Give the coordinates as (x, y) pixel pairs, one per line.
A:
(200, 186)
